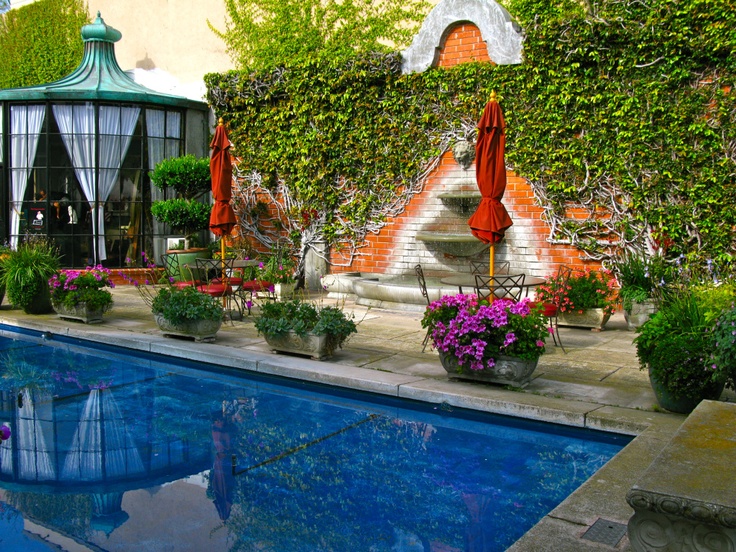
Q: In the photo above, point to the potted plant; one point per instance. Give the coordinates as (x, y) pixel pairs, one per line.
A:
(303, 328)
(677, 346)
(25, 273)
(640, 278)
(81, 294)
(500, 342)
(278, 270)
(180, 311)
(585, 299)
(189, 178)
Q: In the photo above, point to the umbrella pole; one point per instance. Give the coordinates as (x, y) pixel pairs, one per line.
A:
(492, 263)
(222, 260)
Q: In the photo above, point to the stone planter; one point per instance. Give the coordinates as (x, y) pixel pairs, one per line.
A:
(284, 291)
(639, 313)
(507, 371)
(80, 312)
(199, 330)
(312, 345)
(595, 319)
(683, 405)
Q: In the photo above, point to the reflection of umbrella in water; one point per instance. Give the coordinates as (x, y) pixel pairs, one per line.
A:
(102, 447)
(490, 220)
(222, 218)
(221, 476)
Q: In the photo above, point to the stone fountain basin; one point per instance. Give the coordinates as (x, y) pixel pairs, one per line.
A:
(458, 245)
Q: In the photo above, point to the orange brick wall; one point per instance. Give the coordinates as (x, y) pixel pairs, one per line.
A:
(395, 250)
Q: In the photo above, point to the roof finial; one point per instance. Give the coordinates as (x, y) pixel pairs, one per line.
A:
(493, 96)
(220, 122)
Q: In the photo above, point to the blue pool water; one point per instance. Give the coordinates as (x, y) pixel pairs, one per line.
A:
(119, 451)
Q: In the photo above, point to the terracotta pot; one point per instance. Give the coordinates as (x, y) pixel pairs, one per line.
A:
(507, 371)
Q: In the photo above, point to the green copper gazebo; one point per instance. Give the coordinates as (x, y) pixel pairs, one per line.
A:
(75, 156)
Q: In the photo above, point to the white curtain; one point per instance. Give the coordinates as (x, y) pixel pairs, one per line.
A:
(77, 126)
(164, 132)
(34, 456)
(25, 127)
(101, 445)
(116, 130)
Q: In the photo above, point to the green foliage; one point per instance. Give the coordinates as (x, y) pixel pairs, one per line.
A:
(675, 346)
(724, 346)
(280, 317)
(187, 175)
(584, 289)
(640, 277)
(41, 42)
(623, 110)
(26, 271)
(263, 34)
(183, 305)
(72, 287)
(185, 216)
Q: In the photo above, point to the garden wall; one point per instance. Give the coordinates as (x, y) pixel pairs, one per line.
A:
(395, 249)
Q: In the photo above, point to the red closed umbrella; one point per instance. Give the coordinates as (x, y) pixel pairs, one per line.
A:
(222, 218)
(490, 220)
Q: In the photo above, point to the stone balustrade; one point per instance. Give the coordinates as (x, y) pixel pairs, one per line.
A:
(686, 500)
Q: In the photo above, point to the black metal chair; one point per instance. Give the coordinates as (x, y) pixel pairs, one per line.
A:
(180, 276)
(490, 288)
(219, 281)
(425, 294)
(484, 267)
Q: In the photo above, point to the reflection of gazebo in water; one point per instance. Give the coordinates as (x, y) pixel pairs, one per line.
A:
(83, 444)
(75, 156)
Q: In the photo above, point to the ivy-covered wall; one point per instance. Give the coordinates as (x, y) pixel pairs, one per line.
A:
(621, 118)
(41, 42)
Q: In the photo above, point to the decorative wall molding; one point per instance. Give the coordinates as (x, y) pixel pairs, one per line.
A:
(502, 35)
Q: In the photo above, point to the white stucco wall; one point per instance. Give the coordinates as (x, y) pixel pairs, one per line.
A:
(171, 36)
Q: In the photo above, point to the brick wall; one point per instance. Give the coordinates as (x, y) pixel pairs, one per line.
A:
(396, 250)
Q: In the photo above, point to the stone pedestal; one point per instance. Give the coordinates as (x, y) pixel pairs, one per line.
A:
(686, 500)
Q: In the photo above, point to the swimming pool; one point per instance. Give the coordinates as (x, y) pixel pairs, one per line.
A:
(115, 450)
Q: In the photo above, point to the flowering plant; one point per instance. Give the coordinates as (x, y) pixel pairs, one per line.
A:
(584, 289)
(72, 287)
(178, 305)
(277, 270)
(477, 333)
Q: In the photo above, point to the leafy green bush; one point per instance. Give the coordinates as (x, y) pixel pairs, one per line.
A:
(185, 305)
(25, 273)
(185, 216)
(675, 344)
(640, 277)
(187, 175)
(41, 42)
(280, 317)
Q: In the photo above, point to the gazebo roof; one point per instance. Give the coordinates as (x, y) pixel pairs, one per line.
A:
(98, 77)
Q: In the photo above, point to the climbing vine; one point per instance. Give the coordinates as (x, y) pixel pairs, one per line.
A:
(621, 117)
(40, 42)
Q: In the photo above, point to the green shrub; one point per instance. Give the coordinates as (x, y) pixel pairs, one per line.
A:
(279, 317)
(25, 274)
(186, 305)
